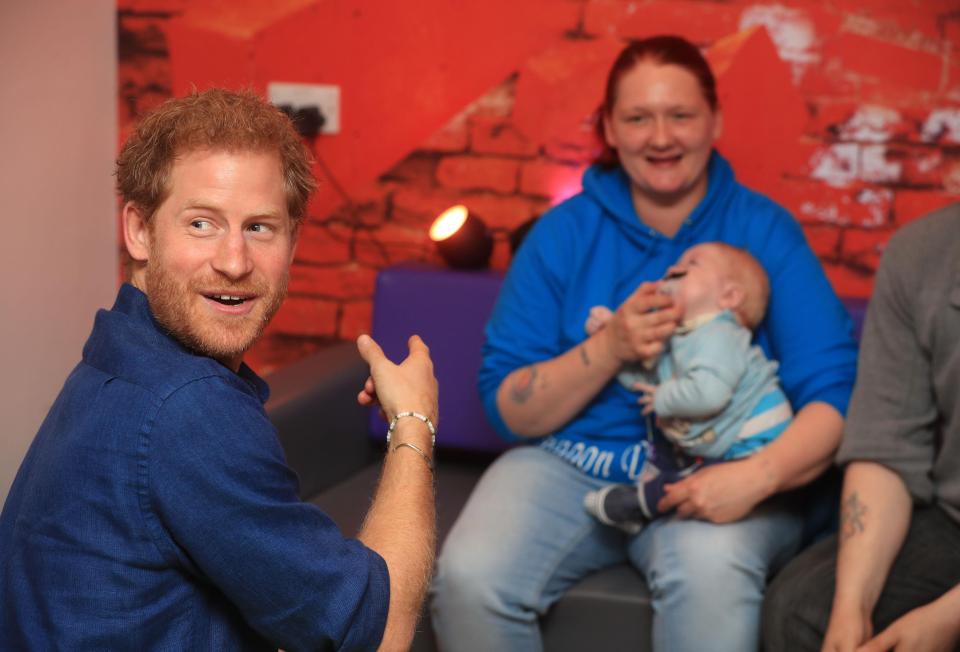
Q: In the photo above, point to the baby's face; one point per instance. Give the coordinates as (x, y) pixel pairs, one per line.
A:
(696, 281)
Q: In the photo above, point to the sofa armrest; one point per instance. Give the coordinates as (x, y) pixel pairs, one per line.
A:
(322, 429)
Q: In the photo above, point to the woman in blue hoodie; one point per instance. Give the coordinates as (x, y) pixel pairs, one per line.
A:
(523, 538)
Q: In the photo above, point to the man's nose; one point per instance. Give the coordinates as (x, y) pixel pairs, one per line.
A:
(232, 257)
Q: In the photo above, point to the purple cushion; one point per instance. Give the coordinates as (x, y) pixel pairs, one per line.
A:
(449, 310)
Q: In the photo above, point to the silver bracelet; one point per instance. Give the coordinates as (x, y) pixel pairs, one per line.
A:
(418, 451)
(415, 415)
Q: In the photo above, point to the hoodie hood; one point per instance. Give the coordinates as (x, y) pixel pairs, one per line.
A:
(610, 188)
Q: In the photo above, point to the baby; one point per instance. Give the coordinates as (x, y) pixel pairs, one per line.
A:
(716, 397)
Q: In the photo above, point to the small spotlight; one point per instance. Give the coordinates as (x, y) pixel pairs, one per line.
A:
(462, 239)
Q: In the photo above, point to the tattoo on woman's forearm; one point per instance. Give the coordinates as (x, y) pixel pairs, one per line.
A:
(584, 356)
(522, 388)
(851, 516)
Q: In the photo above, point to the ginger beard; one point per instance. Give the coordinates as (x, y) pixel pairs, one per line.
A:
(179, 306)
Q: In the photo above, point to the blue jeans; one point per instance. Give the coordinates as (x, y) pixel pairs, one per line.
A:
(524, 538)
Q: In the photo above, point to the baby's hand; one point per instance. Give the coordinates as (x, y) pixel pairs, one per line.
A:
(597, 319)
(648, 396)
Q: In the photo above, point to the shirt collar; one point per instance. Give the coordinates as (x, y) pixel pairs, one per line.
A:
(696, 322)
(134, 303)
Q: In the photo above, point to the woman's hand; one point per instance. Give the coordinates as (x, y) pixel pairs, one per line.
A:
(720, 493)
(642, 324)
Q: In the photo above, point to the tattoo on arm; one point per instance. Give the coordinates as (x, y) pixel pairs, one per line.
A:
(851, 516)
(584, 356)
(522, 388)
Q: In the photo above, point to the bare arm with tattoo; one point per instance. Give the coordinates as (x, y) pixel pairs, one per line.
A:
(538, 399)
(874, 517)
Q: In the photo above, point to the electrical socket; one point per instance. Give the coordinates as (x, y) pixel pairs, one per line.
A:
(325, 97)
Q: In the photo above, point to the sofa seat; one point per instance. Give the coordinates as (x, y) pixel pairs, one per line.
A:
(336, 447)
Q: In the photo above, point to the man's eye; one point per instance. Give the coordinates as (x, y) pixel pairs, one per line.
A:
(200, 225)
(682, 116)
(259, 228)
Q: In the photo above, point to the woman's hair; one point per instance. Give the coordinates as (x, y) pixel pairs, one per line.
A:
(664, 50)
(216, 119)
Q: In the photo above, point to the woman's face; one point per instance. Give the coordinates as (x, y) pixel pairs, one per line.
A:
(663, 130)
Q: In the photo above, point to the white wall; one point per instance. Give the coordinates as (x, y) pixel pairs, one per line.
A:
(58, 252)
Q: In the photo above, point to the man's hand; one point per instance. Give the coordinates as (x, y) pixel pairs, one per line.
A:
(407, 386)
(642, 324)
(931, 628)
(720, 493)
(648, 397)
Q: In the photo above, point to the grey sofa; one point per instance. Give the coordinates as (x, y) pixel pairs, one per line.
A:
(335, 446)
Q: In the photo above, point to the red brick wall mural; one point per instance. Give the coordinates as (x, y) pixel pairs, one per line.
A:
(848, 113)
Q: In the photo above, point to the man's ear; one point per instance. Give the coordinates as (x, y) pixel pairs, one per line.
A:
(136, 232)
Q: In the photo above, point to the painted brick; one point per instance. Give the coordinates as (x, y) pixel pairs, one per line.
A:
(500, 258)
(877, 60)
(920, 166)
(356, 318)
(417, 169)
(951, 34)
(849, 281)
(830, 79)
(275, 350)
(559, 89)
(453, 137)
(951, 176)
(548, 179)
(368, 211)
(823, 239)
(767, 118)
(489, 136)
(901, 25)
(864, 247)
(174, 6)
(806, 152)
(876, 166)
(856, 205)
(836, 165)
(495, 103)
(603, 17)
(793, 31)
(700, 22)
(942, 125)
(479, 173)
(324, 243)
(908, 205)
(499, 212)
(862, 123)
(347, 281)
(306, 316)
(419, 206)
(403, 234)
(392, 243)
(574, 151)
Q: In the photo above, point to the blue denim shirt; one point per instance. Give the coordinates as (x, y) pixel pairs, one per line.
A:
(154, 510)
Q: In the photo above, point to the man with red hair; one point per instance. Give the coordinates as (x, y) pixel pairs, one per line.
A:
(154, 508)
